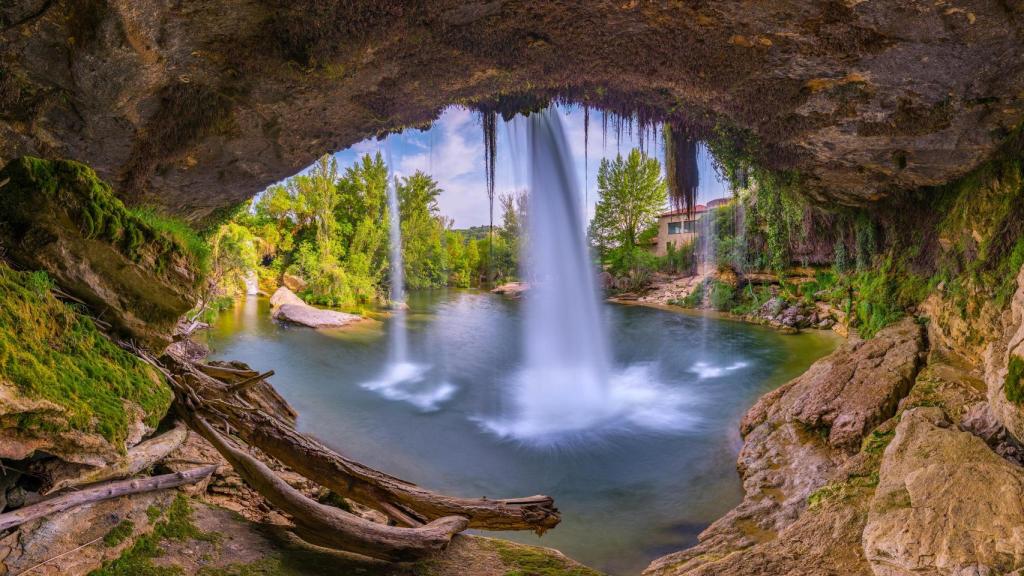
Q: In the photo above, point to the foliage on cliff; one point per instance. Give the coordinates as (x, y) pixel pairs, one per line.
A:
(92, 205)
(49, 350)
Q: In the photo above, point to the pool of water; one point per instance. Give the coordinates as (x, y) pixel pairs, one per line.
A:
(628, 493)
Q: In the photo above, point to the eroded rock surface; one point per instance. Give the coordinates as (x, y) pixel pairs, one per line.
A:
(192, 110)
(945, 503)
(851, 391)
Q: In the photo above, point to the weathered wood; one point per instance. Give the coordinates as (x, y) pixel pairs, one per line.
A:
(57, 474)
(249, 382)
(328, 526)
(102, 492)
(370, 487)
(225, 373)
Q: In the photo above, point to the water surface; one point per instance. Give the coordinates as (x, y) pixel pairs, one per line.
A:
(628, 492)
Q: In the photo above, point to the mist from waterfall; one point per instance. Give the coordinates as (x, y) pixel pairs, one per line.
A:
(399, 338)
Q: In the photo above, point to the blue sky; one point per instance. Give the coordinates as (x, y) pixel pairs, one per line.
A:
(453, 152)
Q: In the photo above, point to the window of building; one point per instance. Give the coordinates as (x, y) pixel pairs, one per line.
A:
(675, 227)
(690, 226)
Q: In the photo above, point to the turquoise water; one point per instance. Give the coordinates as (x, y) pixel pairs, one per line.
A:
(630, 490)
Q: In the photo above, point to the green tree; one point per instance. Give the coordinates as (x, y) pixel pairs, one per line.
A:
(631, 194)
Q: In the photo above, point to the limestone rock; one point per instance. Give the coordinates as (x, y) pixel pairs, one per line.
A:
(288, 307)
(945, 504)
(197, 111)
(293, 283)
(511, 289)
(997, 359)
(851, 391)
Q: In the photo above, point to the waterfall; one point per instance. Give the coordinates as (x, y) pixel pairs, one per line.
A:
(566, 376)
(399, 338)
(404, 380)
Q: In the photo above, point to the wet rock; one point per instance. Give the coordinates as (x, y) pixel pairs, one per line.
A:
(945, 503)
(997, 355)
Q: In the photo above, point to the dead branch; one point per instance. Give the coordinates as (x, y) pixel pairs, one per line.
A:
(249, 382)
(101, 492)
(58, 474)
(328, 526)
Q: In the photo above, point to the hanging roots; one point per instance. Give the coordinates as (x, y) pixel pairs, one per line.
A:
(681, 170)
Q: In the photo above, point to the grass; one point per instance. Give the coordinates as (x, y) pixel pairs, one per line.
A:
(175, 523)
(50, 351)
(876, 442)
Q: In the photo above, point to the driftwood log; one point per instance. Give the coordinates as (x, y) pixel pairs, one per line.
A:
(102, 492)
(58, 475)
(329, 526)
(403, 502)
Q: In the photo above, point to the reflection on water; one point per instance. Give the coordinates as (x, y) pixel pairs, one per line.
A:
(659, 474)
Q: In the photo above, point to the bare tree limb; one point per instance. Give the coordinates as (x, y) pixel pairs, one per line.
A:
(101, 492)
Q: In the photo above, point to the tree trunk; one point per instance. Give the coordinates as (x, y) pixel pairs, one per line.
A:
(58, 474)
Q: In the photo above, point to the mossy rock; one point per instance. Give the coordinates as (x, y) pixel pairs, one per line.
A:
(65, 387)
(141, 271)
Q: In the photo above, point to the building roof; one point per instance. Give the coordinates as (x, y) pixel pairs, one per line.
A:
(698, 209)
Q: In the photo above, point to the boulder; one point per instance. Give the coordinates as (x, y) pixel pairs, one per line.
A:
(851, 391)
(512, 289)
(288, 307)
(945, 504)
(293, 283)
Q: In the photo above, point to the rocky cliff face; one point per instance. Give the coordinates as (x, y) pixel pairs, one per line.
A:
(195, 106)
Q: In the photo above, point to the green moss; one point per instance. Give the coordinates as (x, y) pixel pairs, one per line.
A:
(49, 351)
(118, 533)
(1014, 383)
(842, 491)
(91, 205)
(876, 442)
(176, 524)
(265, 567)
(525, 561)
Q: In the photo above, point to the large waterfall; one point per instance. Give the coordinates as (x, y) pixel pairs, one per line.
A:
(567, 389)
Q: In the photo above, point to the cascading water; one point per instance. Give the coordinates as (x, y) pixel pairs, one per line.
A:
(404, 379)
(567, 389)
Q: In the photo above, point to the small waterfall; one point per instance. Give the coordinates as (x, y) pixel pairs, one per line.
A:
(404, 380)
(399, 337)
(252, 283)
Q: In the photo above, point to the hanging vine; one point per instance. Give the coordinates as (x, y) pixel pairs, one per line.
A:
(490, 126)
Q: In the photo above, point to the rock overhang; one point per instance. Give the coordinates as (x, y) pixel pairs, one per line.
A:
(196, 107)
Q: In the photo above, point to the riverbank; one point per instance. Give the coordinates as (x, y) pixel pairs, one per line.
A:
(767, 305)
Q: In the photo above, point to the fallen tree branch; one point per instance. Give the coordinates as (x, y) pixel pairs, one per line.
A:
(249, 382)
(58, 474)
(101, 492)
(328, 526)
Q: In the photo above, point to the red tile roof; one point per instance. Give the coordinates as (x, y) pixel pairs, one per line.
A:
(698, 209)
